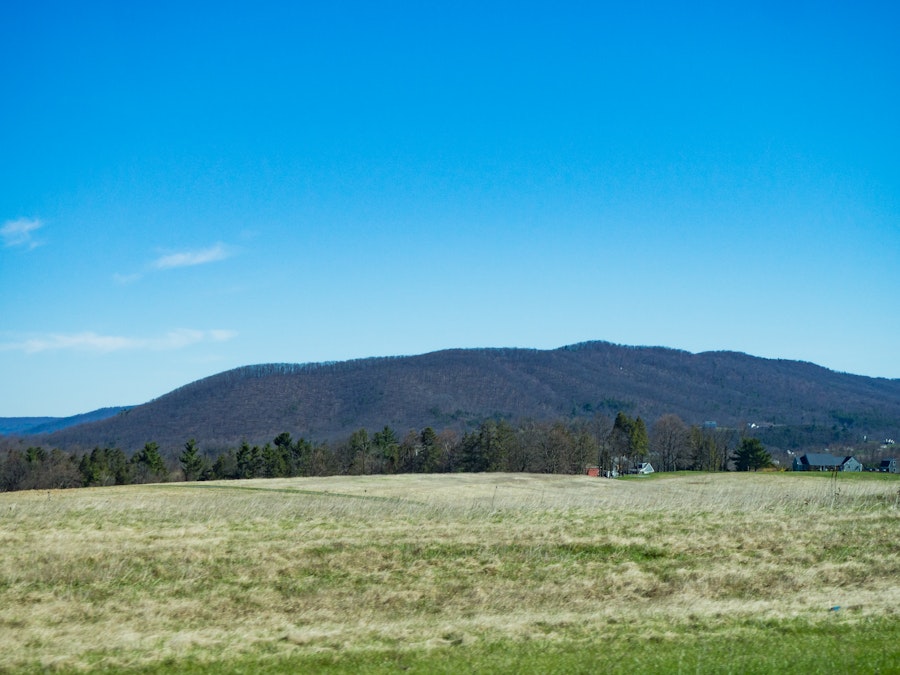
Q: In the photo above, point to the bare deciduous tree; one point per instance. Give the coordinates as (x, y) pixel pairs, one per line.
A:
(669, 443)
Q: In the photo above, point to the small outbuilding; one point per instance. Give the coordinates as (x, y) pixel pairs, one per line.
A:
(593, 471)
(889, 466)
(644, 468)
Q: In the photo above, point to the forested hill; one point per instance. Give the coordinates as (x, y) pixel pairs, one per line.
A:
(458, 388)
(40, 425)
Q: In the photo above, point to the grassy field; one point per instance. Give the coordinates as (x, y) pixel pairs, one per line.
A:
(718, 573)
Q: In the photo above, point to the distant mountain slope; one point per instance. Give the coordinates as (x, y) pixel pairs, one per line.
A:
(456, 388)
(21, 425)
(43, 425)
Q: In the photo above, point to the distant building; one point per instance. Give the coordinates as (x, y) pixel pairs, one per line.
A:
(822, 461)
(593, 471)
(644, 468)
(817, 461)
(889, 466)
(851, 464)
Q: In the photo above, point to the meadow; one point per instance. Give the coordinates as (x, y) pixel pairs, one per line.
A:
(691, 572)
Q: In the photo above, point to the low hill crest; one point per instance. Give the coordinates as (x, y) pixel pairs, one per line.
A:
(458, 388)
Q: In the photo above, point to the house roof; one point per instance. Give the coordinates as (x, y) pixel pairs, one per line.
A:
(821, 459)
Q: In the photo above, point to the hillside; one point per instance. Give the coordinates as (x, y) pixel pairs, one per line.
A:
(458, 388)
(46, 425)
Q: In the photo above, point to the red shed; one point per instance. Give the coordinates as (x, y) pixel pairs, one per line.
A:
(593, 471)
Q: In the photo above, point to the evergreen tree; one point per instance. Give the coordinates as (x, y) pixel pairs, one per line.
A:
(489, 449)
(301, 457)
(225, 466)
(149, 464)
(639, 441)
(387, 448)
(472, 455)
(36, 456)
(621, 440)
(751, 455)
(249, 461)
(285, 452)
(282, 440)
(106, 466)
(86, 470)
(430, 451)
(191, 461)
(275, 460)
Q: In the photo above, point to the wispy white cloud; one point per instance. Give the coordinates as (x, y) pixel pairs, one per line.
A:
(19, 232)
(93, 342)
(170, 261)
(191, 258)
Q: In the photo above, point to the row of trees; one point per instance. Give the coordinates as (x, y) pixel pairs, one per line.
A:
(37, 469)
(562, 446)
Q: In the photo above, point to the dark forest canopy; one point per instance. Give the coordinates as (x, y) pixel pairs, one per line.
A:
(794, 404)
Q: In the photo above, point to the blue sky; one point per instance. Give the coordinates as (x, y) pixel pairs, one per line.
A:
(190, 187)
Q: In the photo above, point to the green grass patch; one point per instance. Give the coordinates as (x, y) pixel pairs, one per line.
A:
(834, 645)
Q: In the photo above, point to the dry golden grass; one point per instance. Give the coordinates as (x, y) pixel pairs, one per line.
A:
(209, 571)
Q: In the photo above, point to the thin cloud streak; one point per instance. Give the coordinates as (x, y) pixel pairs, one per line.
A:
(93, 342)
(170, 261)
(192, 258)
(19, 232)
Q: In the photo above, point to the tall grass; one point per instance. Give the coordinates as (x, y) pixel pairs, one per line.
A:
(348, 572)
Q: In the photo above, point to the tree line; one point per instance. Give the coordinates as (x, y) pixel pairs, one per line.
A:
(563, 446)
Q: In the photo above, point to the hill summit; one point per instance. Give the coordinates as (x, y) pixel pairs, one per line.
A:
(458, 388)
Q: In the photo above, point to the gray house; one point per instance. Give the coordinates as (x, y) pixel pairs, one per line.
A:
(851, 464)
(822, 461)
(889, 466)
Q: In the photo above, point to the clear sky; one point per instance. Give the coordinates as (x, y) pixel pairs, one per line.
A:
(187, 187)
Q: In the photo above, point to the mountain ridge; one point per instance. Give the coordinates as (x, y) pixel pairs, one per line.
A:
(458, 388)
(30, 426)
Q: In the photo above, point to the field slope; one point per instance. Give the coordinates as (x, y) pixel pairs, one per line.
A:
(456, 573)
